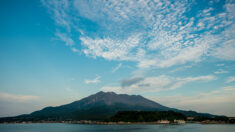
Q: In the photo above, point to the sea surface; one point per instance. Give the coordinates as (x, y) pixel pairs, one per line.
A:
(59, 127)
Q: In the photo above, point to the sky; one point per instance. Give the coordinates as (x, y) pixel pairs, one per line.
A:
(178, 53)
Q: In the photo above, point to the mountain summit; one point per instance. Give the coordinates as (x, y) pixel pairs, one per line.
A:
(99, 106)
(111, 98)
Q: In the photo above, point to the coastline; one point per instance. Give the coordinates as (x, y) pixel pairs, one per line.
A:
(86, 122)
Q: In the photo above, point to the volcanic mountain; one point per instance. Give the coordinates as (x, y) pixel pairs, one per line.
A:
(99, 106)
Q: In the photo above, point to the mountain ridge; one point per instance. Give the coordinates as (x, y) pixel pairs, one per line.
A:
(99, 106)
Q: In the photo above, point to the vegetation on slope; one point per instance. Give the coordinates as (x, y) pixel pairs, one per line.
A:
(146, 116)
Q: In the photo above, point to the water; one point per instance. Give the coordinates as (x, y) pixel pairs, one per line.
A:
(57, 127)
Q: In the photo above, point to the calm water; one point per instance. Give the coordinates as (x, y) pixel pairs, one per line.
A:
(114, 128)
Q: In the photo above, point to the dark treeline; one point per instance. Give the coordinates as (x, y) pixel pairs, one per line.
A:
(216, 118)
(146, 116)
(126, 116)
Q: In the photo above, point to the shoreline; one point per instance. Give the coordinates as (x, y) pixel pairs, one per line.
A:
(115, 123)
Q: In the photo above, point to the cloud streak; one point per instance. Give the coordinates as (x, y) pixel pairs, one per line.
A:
(154, 83)
(221, 71)
(67, 40)
(230, 79)
(117, 67)
(93, 81)
(17, 98)
(217, 101)
(131, 81)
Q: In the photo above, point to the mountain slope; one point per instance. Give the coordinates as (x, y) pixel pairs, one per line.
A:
(99, 106)
(111, 98)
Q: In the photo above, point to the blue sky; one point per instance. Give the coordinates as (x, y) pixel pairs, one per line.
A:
(178, 53)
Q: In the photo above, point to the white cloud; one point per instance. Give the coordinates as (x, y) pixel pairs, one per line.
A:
(221, 71)
(226, 51)
(110, 49)
(181, 68)
(219, 101)
(75, 50)
(17, 98)
(59, 10)
(150, 33)
(115, 89)
(215, 96)
(117, 67)
(177, 46)
(230, 88)
(219, 64)
(230, 79)
(95, 80)
(190, 54)
(154, 84)
(62, 36)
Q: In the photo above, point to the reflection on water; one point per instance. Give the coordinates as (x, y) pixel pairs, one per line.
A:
(57, 127)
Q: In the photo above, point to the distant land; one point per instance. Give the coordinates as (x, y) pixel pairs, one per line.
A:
(109, 106)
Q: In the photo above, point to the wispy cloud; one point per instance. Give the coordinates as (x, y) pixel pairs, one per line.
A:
(17, 98)
(203, 101)
(214, 96)
(117, 67)
(75, 50)
(221, 71)
(62, 36)
(154, 84)
(220, 64)
(68, 89)
(230, 79)
(151, 33)
(131, 81)
(59, 10)
(227, 50)
(181, 68)
(95, 80)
